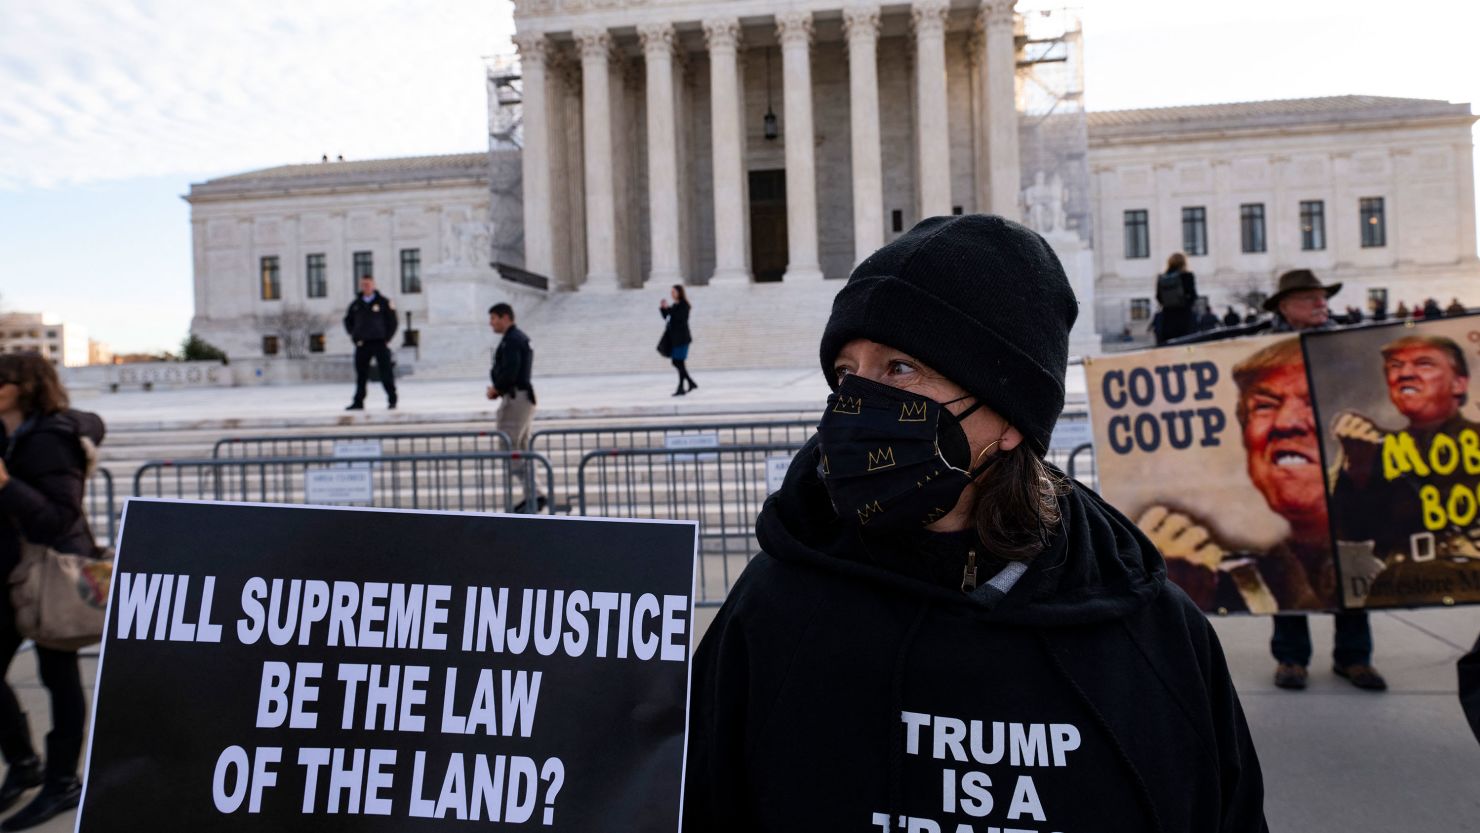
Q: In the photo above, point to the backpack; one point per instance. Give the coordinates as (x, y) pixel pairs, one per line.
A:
(1171, 291)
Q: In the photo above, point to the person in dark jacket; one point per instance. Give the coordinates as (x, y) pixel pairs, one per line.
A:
(1176, 293)
(510, 382)
(1231, 318)
(941, 631)
(371, 323)
(677, 337)
(46, 456)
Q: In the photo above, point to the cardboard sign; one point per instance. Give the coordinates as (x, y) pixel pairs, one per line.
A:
(329, 487)
(1400, 423)
(1214, 452)
(306, 669)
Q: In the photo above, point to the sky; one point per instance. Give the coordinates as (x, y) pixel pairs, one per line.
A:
(109, 109)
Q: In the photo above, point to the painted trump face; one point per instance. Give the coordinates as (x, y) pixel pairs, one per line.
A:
(1284, 456)
(1424, 384)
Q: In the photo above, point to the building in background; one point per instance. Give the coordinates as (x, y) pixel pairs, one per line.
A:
(756, 150)
(65, 345)
(278, 252)
(99, 352)
(1375, 193)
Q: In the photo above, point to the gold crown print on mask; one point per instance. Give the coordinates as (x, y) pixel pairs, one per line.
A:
(848, 405)
(912, 411)
(881, 459)
(865, 513)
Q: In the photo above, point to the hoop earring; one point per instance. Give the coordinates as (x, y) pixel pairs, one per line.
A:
(993, 444)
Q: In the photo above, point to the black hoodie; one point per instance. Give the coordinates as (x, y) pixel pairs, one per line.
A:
(48, 462)
(840, 688)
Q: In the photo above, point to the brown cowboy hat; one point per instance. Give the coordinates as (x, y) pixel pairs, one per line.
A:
(1297, 280)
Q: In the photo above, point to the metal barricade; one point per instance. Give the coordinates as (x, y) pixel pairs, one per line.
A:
(721, 488)
(567, 447)
(482, 482)
(101, 506)
(1082, 466)
(362, 445)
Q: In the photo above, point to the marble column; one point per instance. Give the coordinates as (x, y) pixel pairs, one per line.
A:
(539, 236)
(999, 80)
(861, 26)
(662, 136)
(932, 120)
(794, 30)
(730, 258)
(596, 118)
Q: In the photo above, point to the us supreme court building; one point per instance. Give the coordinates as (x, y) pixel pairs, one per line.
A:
(758, 149)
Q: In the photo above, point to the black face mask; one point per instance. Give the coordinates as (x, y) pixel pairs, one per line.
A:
(892, 461)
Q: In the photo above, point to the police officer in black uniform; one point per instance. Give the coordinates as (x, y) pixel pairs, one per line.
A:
(371, 324)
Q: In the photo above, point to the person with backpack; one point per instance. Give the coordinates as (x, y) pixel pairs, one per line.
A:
(1176, 292)
(47, 453)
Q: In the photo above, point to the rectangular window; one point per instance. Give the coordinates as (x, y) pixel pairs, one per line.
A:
(272, 285)
(316, 343)
(1313, 225)
(896, 220)
(1195, 231)
(1140, 309)
(269, 345)
(410, 271)
(364, 265)
(1377, 301)
(1137, 234)
(1251, 227)
(318, 284)
(1374, 223)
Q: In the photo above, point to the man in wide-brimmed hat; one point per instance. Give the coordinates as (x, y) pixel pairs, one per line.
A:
(1299, 303)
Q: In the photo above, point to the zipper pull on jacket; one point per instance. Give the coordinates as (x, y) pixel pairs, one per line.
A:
(968, 575)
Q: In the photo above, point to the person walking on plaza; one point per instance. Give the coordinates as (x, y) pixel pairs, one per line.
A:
(1231, 318)
(1455, 308)
(47, 452)
(1176, 292)
(371, 323)
(676, 336)
(510, 385)
(932, 598)
(1300, 304)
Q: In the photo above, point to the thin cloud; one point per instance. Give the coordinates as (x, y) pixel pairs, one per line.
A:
(133, 88)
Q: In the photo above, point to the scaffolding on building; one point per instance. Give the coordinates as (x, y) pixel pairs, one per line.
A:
(1053, 125)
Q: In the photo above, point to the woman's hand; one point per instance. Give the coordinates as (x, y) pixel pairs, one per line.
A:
(663, 304)
(4, 475)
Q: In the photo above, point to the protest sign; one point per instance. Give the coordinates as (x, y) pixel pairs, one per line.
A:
(1213, 451)
(1400, 426)
(306, 669)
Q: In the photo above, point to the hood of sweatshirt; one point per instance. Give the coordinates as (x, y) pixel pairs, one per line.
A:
(1097, 567)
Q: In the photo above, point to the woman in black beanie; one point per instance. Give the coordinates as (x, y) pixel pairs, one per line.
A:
(942, 633)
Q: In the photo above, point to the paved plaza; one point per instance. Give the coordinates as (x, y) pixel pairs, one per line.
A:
(604, 396)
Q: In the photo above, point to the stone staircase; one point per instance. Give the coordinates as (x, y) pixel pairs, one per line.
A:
(750, 326)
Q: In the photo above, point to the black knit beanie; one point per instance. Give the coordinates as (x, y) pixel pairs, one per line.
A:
(982, 300)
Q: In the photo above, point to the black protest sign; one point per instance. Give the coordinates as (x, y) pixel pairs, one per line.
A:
(310, 669)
